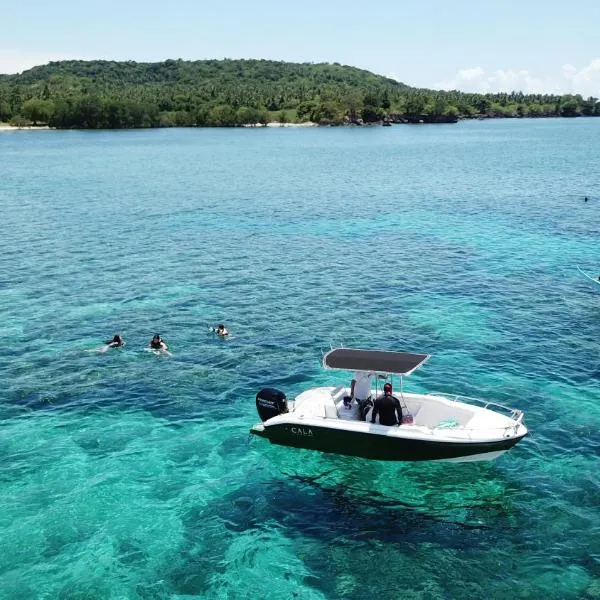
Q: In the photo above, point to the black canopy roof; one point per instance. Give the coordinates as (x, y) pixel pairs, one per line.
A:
(378, 361)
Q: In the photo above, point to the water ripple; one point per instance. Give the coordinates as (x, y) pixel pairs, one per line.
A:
(126, 474)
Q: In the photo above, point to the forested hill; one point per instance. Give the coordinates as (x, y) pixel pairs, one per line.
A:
(177, 92)
(207, 72)
(101, 94)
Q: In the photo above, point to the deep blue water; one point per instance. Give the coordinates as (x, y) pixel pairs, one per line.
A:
(127, 475)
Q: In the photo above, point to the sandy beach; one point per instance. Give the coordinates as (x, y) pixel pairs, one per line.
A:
(278, 124)
(304, 124)
(7, 127)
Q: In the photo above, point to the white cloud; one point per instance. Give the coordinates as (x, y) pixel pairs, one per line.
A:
(569, 80)
(15, 61)
(469, 75)
(586, 81)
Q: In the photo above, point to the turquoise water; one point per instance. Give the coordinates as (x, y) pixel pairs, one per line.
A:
(129, 475)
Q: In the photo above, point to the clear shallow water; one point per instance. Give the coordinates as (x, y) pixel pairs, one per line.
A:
(126, 475)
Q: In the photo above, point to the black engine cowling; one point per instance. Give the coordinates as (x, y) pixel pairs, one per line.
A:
(270, 402)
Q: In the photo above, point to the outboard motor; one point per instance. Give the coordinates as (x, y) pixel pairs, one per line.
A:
(270, 403)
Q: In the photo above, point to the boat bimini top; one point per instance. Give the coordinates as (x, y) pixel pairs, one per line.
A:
(376, 361)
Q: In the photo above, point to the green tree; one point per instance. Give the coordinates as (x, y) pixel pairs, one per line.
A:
(113, 115)
(263, 116)
(304, 110)
(183, 118)
(327, 113)
(5, 111)
(353, 101)
(497, 110)
(88, 112)
(451, 111)
(222, 115)
(372, 114)
(569, 107)
(588, 107)
(415, 106)
(385, 100)
(440, 104)
(202, 116)
(37, 110)
(247, 116)
(167, 119)
(19, 121)
(63, 116)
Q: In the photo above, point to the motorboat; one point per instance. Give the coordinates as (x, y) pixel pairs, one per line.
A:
(432, 427)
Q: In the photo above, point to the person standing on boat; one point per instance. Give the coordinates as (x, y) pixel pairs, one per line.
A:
(387, 406)
(360, 390)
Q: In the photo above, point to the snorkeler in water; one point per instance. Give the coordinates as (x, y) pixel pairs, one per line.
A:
(221, 330)
(157, 343)
(116, 342)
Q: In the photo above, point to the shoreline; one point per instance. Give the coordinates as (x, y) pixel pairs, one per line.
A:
(305, 124)
(7, 127)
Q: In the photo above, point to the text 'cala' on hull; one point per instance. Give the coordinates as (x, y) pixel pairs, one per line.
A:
(380, 446)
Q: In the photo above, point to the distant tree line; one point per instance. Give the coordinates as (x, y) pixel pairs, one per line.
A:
(229, 93)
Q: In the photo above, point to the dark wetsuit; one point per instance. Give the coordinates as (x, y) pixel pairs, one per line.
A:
(387, 407)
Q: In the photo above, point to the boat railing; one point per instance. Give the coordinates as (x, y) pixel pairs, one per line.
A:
(459, 431)
(513, 413)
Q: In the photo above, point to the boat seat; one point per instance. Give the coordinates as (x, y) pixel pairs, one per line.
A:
(330, 408)
(338, 394)
(431, 415)
(317, 402)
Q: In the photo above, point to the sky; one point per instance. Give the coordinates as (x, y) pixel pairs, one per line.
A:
(526, 45)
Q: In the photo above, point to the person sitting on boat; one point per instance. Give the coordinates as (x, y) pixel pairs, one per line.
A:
(157, 343)
(116, 342)
(387, 406)
(221, 330)
(360, 390)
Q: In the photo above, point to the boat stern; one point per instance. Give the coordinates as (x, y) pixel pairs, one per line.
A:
(259, 430)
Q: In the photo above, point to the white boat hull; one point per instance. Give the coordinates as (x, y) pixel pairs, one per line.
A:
(441, 429)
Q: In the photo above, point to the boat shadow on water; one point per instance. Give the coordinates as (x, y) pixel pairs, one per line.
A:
(324, 515)
(356, 508)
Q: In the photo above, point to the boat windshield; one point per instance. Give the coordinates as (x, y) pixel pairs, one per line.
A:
(377, 361)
